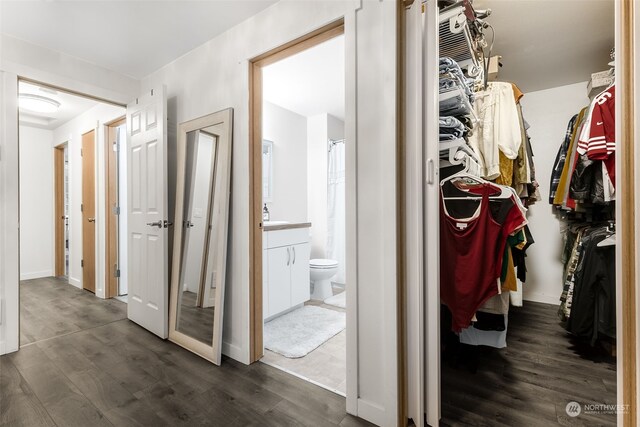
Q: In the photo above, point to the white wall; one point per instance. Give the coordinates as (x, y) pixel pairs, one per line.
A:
(65, 71)
(71, 132)
(288, 132)
(317, 175)
(215, 76)
(320, 128)
(548, 112)
(36, 203)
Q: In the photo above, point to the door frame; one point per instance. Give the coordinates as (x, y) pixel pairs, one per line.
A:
(59, 214)
(256, 64)
(112, 194)
(626, 214)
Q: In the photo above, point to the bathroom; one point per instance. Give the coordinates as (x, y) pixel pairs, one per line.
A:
(303, 195)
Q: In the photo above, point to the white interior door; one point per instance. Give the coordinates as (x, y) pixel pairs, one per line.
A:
(147, 234)
(431, 213)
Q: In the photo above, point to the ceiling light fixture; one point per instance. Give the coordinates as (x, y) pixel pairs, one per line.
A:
(37, 103)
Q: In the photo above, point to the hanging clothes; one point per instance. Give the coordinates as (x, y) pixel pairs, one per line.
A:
(498, 128)
(471, 252)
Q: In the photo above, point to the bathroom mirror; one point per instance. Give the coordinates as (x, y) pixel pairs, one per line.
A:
(267, 171)
(200, 238)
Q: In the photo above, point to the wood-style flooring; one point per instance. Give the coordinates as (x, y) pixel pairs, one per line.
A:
(93, 367)
(530, 382)
(197, 322)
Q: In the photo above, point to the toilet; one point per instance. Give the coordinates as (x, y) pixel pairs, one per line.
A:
(322, 270)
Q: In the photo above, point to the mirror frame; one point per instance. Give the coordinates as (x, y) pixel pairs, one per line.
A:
(221, 198)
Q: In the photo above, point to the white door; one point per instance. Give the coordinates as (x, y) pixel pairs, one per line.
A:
(300, 286)
(431, 213)
(147, 234)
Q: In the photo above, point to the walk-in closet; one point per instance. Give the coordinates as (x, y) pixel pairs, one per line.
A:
(526, 217)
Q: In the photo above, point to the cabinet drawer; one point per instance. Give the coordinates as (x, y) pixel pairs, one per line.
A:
(277, 238)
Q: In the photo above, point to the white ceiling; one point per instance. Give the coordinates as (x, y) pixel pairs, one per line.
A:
(549, 43)
(71, 106)
(134, 38)
(310, 82)
(544, 43)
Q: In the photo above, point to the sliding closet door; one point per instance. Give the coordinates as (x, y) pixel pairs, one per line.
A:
(9, 237)
(431, 212)
(414, 220)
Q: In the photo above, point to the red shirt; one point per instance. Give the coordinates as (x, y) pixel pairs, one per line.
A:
(471, 258)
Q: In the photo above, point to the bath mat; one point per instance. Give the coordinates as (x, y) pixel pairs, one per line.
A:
(338, 300)
(301, 331)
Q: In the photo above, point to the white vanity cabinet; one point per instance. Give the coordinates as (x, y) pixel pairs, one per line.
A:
(285, 269)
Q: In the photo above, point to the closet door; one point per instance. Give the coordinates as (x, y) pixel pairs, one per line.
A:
(431, 212)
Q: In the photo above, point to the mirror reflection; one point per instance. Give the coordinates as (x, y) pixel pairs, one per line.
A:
(196, 299)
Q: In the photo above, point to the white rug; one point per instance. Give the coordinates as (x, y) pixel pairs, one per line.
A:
(338, 300)
(301, 331)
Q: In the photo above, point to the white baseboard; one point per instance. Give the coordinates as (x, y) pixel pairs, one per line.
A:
(5, 349)
(75, 282)
(543, 298)
(235, 352)
(36, 274)
(371, 412)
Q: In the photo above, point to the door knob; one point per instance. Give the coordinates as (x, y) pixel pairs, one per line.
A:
(155, 224)
(167, 224)
(188, 224)
(91, 219)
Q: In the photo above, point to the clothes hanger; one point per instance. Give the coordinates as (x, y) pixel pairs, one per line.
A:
(463, 179)
(611, 239)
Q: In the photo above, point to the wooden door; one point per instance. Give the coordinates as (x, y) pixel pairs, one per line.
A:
(59, 214)
(147, 199)
(89, 211)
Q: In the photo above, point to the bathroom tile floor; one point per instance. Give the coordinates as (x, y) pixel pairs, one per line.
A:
(324, 366)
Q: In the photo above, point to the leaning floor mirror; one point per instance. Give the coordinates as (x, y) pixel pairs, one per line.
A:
(200, 239)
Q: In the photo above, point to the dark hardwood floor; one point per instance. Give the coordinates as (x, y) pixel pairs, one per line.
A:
(530, 382)
(197, 322)
(84, 364)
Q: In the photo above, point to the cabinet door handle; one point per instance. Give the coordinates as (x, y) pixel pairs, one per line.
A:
(288, 256)
(294, 254)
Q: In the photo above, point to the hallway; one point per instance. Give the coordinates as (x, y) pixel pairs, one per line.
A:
(85, 364)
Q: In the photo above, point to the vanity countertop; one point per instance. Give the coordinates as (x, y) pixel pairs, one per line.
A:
(287, 226)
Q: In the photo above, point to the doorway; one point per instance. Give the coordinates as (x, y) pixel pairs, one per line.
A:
(298, 208)
(62, 235)
(115, 155)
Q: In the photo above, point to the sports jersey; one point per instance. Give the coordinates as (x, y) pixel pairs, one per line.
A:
(598, 137)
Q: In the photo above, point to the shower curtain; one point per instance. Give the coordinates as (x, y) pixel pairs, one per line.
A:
(336, 210)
